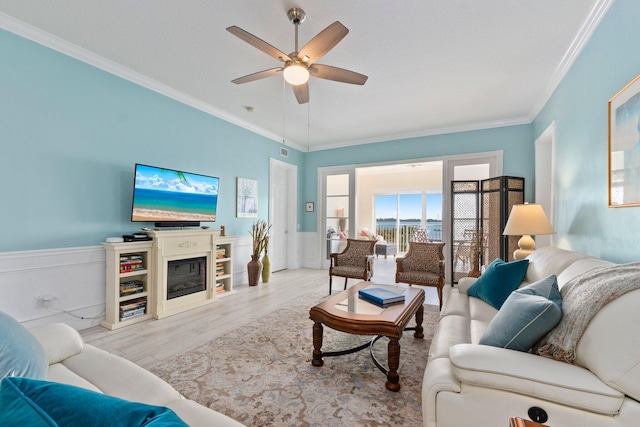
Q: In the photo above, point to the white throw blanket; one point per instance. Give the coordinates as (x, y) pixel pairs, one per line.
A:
(582, 298)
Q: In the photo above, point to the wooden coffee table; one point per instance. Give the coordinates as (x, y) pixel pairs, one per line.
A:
(346, 312)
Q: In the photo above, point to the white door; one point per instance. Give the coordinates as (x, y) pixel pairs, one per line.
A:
(282, 214)
(337, 209)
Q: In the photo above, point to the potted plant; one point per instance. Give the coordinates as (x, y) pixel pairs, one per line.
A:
(259, 234)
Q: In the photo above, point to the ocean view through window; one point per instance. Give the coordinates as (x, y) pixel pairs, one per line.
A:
(399, 215)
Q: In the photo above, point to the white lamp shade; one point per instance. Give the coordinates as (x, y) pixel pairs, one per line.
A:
(527, 219)
(524, 221)
(296, 74)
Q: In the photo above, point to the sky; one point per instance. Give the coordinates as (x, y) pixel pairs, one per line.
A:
(154, 178)
(410, 206)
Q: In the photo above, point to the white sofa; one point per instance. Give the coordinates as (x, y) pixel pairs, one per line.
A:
(467, 384)
(73, 362)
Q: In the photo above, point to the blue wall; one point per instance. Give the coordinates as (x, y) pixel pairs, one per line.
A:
(579, 105)
(71, 134)
(515, 141)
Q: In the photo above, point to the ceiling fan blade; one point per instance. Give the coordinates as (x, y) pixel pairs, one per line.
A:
(337, 74)
(257, 76)
(301, 92)
(259, 43)
(323, 42)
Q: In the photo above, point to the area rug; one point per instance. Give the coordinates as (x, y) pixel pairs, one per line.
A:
(261, 374)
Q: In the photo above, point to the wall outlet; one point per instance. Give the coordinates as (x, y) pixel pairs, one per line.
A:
(44, 300)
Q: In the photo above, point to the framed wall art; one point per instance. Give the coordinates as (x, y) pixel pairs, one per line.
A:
(247, 198)
(624, 146)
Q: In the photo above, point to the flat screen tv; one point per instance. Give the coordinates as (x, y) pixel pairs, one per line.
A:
(172, 198)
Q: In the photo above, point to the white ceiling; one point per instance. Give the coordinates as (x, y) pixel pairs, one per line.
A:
(434, 66)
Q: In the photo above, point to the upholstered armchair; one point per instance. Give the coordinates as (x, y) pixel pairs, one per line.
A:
(355, 261)
(422, 265)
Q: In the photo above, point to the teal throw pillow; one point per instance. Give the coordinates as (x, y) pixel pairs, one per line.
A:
(21, 354)
(526, 316)
(27, 402)
(498, 281)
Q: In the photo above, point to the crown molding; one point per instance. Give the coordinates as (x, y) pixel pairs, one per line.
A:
(427, 132)
(49, 40)
(581, 39)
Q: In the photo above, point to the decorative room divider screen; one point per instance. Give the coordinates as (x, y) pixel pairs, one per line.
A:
(479, 212)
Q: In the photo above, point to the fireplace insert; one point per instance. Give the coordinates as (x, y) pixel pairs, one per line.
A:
(186, 276)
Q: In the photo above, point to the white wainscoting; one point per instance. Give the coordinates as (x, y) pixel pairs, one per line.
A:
(310, 258)
(75, 278)
(306, 257)
(242, 248)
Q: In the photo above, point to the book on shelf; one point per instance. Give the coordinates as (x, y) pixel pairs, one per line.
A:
(131, 283)
(220, 287)
(131, 291)
(134, 308)
(131, 263)
(133, 304)
(221, 252)
(132, 313)
(219, 269)
(131, 287)
(380, 296)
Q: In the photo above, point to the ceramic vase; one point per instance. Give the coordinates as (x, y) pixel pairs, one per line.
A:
(266, 268)
(254, 268)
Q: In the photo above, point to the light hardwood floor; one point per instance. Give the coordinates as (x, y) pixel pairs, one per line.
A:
(150, 341)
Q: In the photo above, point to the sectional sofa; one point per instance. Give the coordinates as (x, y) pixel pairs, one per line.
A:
(469, 384)
(51, 377)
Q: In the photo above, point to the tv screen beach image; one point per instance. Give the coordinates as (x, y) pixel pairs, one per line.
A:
(169, 195)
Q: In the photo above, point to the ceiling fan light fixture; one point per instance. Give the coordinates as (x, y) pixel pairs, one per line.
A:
(299, 63)
(296, 74)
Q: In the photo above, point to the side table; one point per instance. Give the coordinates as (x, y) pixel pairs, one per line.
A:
(383, 248)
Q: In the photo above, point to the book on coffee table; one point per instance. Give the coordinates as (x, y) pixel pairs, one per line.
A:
(380, 296)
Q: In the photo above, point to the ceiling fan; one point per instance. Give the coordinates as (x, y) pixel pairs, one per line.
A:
(301, 64)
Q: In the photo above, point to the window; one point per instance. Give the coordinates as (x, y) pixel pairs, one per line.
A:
(398, 215)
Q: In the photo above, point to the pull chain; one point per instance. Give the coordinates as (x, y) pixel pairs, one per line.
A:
(283, 107)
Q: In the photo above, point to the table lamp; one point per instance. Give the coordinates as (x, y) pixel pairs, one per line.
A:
(526, 220)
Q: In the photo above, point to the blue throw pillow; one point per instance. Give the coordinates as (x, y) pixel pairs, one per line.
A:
(526, 316)
(547, 287)
(21, 354)
(27, 402)
(498, 281)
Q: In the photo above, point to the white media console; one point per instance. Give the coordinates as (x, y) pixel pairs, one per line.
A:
(139, 278)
